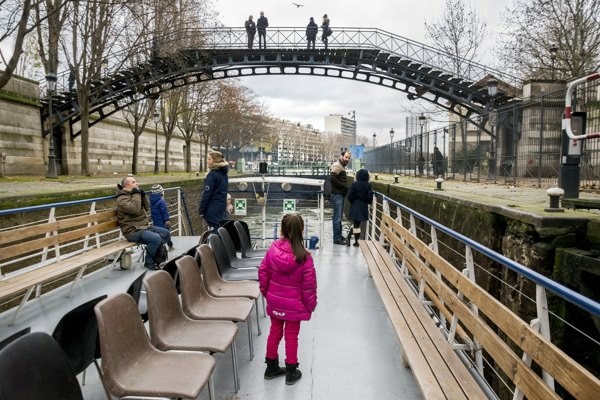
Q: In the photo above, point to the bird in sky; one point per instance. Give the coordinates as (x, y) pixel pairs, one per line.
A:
(298, 5)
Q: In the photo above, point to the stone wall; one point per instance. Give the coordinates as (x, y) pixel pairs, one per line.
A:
(23, 150)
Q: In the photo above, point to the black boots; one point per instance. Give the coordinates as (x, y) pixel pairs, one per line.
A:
(273, 369)
(292, 373)
(356, 237)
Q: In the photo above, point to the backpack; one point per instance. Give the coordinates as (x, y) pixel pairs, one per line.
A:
(162, 254)
(329, 31)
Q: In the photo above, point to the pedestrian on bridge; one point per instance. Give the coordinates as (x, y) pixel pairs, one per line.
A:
(326, 30)
(250, 31)
(261, 26)
(311, 32)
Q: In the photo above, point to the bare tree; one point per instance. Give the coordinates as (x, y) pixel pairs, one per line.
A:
(459, 32)
(137, 116)
(568, 27)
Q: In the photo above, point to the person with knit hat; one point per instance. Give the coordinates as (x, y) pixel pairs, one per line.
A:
(213, 203)
(159, 210)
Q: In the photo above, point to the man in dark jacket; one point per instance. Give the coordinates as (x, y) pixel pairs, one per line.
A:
(339, 189)
(261, 26)
(311, 32)
(132, 206)
(250, 31)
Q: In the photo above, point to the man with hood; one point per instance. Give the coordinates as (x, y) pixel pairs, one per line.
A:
(213, 204)
(338, 180)
(132, 207)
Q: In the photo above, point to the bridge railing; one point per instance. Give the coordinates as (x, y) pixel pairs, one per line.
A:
(562, 316)
(343, 38)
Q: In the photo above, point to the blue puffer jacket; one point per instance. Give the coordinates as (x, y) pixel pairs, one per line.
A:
(213, 204)
(360, 196)
(158, 207)
(289, 287)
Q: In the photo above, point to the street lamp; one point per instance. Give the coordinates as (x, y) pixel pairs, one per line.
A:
(51, 81)
(553, 50)
(374, 139)
(155, 116)
(492, 88)
(391, 154)
(421, 161)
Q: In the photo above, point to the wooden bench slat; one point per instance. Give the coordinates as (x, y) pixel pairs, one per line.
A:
(50, 241)
(14, 285)
(577, 380)
(437, 369)
(18, 234)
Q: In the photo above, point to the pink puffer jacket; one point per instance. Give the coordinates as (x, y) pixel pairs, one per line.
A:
(289, 287)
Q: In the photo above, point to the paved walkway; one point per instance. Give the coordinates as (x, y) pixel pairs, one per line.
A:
(499, 197)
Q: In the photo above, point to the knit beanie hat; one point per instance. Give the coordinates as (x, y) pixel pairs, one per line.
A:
(157, 189)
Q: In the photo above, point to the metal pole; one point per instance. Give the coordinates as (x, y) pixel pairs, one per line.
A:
(51, 81)
(156, 147)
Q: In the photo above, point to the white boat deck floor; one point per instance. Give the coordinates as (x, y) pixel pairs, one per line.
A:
(348, 350)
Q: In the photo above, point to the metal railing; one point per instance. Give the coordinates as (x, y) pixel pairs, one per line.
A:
(479, 262)
(527, 146)
(27, 216)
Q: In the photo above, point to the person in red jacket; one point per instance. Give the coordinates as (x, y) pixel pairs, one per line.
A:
(288, 281)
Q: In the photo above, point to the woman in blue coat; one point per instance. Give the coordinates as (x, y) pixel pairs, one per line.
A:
(360, 196)
(213, 204)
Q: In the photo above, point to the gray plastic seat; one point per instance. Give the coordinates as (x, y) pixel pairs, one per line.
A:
(171, 329)
(199, 304)
(234, 260)
(227, 272)
(132, 366)
(219, 287)
(246, 243)
(34, 367)
(77, 335)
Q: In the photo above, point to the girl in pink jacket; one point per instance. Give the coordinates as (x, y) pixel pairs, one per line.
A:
(288, 281)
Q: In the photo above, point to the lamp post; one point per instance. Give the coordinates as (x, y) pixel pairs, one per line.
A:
(421, 160)
(51, 81)
(374, 139)
(492, 88)
(391, 153)
(553, 50)
(155, 116)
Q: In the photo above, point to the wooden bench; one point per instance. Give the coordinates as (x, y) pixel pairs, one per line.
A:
(56, 249)
(477, 320)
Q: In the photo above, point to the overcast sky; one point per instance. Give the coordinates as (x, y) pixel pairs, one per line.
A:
(309, 99)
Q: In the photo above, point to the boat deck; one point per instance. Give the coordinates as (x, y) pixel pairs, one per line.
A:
(348, 350)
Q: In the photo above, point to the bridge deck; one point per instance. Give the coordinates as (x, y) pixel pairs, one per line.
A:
(348, 350)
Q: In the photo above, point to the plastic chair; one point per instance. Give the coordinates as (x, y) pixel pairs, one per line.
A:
(230, 228)
(234, 260)
(77, 335)
(34, 367)
(245, 242)
(171, 329)
(132, 366)
(199, 304)
(219, 287)
(135, 291)
(227, 272)
(6, 341)
(204, 236)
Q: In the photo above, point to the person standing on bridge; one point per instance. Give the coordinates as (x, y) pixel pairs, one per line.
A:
(311, 33)
(261, 25)
(338, 193)
(288, 281)
(250, 31)
(326, 30)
